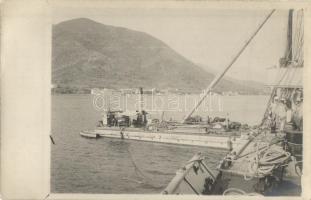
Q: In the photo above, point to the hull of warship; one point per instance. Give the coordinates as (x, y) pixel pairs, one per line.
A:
(242, 174)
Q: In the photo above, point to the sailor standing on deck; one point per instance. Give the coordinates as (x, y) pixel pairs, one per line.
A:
(282, 114)
(208, 120)
(297, 111)
(229, 144)
(104, 119)
(288, 111)
(272, 114)
(274, 106)
(227, 121)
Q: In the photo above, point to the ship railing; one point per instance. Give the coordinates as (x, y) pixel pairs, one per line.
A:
(191, 178)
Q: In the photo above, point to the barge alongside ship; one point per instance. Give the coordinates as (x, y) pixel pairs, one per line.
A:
(217, 133)
(220, 140)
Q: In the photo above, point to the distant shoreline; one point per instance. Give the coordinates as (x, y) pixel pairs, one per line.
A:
(77, 91)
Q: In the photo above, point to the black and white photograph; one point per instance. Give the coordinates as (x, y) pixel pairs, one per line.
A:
(103, 99)
(177, 101)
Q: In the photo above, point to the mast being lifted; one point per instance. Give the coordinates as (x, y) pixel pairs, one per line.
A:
(220, 75)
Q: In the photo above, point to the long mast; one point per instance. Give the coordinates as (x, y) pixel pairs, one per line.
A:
(290, 35)
(221, 74)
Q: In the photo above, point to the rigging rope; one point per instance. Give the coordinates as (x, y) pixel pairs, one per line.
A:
(296, 36)
(299, 34)
(140, 173)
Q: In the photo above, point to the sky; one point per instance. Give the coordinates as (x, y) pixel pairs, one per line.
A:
(208, 37)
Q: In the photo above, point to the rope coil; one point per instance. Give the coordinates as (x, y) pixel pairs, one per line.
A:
(266, 161)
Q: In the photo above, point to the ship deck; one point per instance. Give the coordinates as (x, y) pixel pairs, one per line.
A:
(245, 156)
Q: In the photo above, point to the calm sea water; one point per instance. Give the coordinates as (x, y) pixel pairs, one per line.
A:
(81, 165)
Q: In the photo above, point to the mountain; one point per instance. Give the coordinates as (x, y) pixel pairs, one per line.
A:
(88, 54)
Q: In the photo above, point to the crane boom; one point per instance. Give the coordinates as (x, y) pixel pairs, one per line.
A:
(221, 74)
